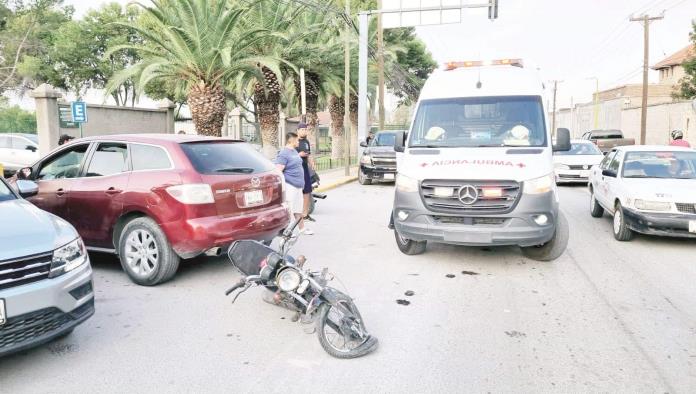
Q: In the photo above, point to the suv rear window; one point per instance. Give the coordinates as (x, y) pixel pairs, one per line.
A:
(225, 158)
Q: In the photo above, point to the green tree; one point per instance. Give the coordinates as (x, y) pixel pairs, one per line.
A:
(413, 64)
(16, 120)
(686, 88)
(197, 46)
(79, 52)
(27, 33)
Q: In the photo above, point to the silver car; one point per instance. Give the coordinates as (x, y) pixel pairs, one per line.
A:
(45, 274)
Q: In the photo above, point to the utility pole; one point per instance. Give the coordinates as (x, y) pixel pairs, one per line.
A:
(646, 19)
(380, 65)
(553, 116)
(346, 93)
(595, 113)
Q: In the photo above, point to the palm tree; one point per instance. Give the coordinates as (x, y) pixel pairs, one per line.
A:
(267, 86)
(198, 46)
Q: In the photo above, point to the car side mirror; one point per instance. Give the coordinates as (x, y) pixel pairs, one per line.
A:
(31, 148)
(400, 142)
(27, 189)
(562, 140)
(363, 144)
(24, 173)
(609, 173)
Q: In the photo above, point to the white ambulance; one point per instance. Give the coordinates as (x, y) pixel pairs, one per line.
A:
(476, 166)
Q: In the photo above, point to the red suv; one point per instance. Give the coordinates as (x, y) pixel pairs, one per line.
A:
(155, 199)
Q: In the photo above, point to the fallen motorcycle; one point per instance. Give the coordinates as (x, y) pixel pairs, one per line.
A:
(338, 323)
(315, 196)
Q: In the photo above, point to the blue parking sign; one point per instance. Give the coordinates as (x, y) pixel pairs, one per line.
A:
(79, 112)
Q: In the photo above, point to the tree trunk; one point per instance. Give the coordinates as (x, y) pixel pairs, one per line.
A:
(267, 101)
(354, 125)
(336, 109)
(208, 108)
(312, 97)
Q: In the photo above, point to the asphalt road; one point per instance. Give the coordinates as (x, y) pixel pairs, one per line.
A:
(606, 317)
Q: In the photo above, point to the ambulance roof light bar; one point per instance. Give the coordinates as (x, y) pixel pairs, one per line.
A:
(480, 63)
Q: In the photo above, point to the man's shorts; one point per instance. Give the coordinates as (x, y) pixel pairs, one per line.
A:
(293, 196)
(307, 181)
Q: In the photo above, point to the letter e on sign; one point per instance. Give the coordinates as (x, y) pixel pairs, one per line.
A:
(79, 112)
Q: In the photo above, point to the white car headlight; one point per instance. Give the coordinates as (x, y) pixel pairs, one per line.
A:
(366, 159)
(68, 257)
(406, 184)
(198, 193)
(540, 185)
(645, 205)
(288, 279)
(560, 166)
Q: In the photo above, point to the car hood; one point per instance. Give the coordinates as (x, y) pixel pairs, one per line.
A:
(669, 190)
(381, 150)
(27, 230)
(578, 159)
(474, 163)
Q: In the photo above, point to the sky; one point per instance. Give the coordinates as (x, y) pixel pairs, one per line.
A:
(568, 40)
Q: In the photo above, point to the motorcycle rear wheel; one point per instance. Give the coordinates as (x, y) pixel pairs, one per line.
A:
(343, 335)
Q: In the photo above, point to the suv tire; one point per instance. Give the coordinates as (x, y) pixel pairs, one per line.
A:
(555, 247)
(145, 253)
(363, 179)
(596, 210)
(408, 246)
(620, 228)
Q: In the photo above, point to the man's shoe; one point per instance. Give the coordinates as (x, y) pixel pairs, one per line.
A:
(307, 231)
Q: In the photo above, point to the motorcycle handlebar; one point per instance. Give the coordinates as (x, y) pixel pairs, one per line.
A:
(239, 284)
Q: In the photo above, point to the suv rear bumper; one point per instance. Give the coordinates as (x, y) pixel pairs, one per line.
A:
(192, 237)
(41, 311)
(515, 228)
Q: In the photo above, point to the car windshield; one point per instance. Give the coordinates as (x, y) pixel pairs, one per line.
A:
(665, 165)
(225, 158)
(580, 149)
(479, 122)
(5, 192)
(384, 139)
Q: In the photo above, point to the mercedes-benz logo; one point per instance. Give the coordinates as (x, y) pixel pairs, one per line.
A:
(468, 194)
(255, 182)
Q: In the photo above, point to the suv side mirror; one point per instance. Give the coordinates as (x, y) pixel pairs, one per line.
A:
(24, 173)
(31, 148)
(400, 142)
(562, 140)
(363, 144)
(609, 173)
(27, 189)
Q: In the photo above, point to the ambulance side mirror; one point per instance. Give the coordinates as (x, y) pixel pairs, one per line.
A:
(562, 140)
(400, 142)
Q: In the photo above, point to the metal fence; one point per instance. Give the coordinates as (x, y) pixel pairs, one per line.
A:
(325, 163)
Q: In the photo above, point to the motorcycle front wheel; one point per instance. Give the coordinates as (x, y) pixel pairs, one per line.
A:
(341, 330)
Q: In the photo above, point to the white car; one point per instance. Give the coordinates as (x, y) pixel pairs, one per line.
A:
(18, 151)
(648, 189)
(574, 165)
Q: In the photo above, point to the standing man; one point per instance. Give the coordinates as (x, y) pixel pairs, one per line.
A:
(64, 139)
(370, 137)
(290, 163)
(678, 139)
(304, 149)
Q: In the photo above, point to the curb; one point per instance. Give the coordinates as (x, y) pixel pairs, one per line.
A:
(336, 184)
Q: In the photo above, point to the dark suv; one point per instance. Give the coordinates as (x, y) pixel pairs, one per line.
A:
(378, 161)
(155, 199)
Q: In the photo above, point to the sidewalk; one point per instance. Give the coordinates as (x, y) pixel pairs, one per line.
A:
(331, 179)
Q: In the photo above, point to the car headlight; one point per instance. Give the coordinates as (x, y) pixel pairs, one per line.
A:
(406, 184)
(645, 205)
(366, 159)
(288, 279)
(560, 166)
(540, 185)
(68, 257)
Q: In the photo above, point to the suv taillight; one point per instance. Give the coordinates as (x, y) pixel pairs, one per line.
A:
(195, 193)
